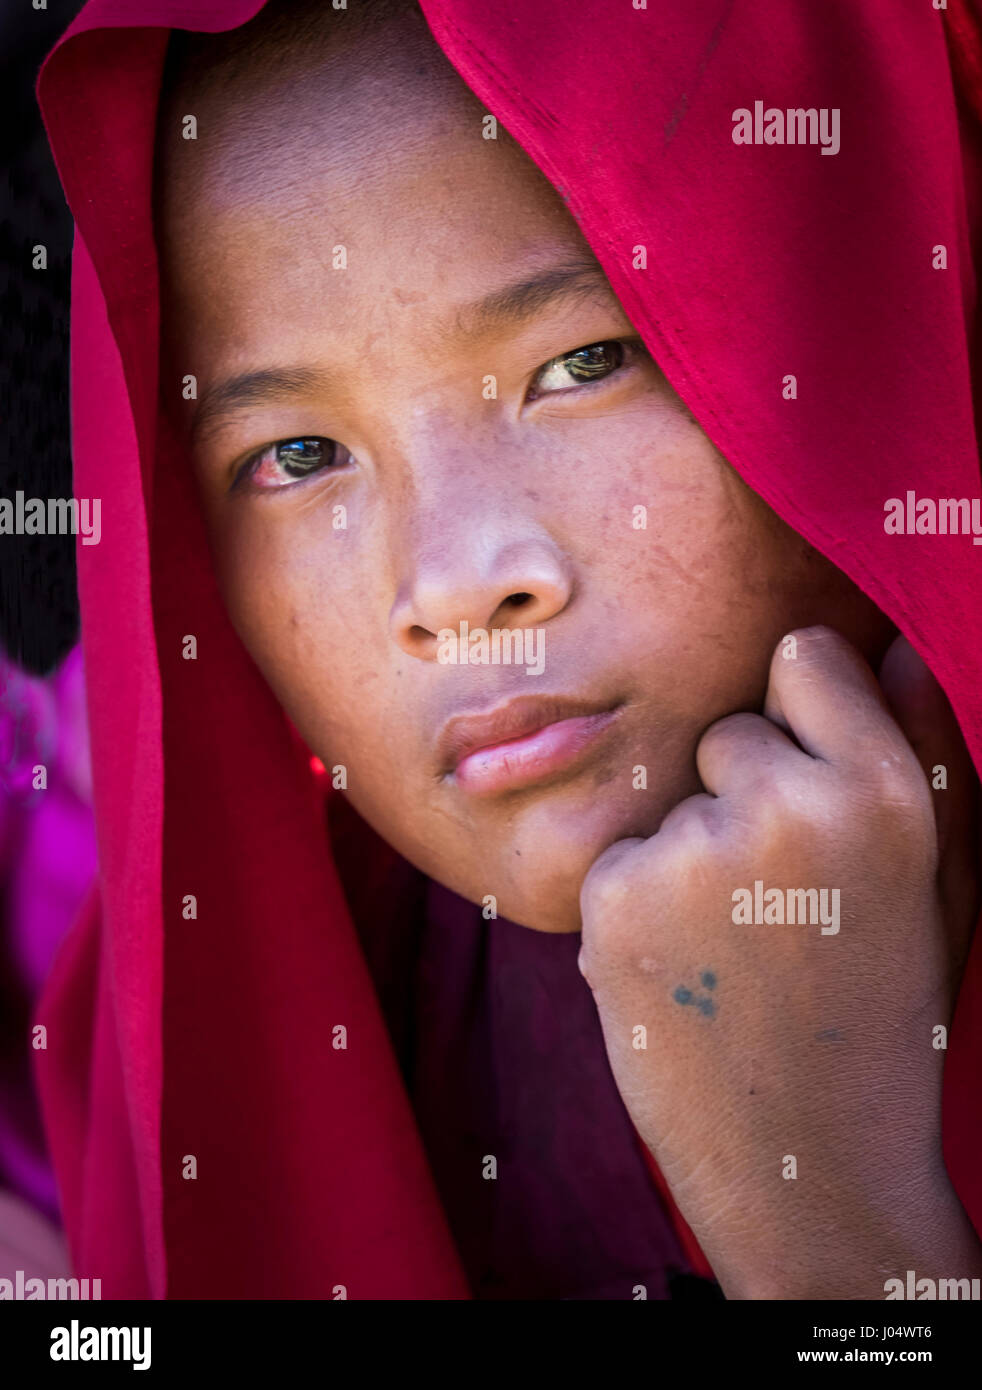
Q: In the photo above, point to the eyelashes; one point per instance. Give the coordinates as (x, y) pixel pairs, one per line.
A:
(301, 458)
(591, 362)
(288, 462)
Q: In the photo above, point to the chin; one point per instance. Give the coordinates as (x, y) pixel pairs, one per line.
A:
(535, 881)
(535, 864)
(528, 905)
(556, 919)
(540, 874)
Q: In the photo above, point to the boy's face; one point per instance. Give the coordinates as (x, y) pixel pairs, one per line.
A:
(512, 509)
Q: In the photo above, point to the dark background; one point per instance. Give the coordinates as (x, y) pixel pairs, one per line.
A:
(38, 599)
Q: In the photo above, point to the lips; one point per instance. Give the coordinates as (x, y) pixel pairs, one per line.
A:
(528, 740)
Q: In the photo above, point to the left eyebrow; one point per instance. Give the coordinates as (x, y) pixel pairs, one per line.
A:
(513, 303)
(522, 299)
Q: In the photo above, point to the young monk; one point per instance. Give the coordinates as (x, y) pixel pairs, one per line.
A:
(414, 408)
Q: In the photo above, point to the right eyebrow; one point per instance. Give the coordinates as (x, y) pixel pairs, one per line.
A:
(236, 393)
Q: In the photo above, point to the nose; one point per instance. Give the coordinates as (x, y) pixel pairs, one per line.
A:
(487, 584)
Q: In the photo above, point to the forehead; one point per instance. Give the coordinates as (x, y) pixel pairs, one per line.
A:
(350, 188)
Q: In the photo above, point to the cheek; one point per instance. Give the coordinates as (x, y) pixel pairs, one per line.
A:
(699, 578)
(303, 612)
(672, 530)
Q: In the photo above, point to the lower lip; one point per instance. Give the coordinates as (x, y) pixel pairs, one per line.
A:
(525, 761)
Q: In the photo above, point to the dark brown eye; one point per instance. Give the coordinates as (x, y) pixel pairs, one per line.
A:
(585, 364)
(290, 460)
(298, 457)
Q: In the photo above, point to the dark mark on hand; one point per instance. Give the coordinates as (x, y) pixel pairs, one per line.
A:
(702, 1002)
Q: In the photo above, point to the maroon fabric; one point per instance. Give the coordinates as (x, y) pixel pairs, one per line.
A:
(509, 1061)
(502, 1053)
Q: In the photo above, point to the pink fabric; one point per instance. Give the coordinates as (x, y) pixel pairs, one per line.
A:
(761, 261)
(47, 866)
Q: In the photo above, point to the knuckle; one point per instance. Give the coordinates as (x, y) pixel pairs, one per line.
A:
(797, 800)
(819, 638)
(609, 910)
(688, 832)
(608, 886)
(731, 726)
(816, 646)
(734, 736)
(897, 781)
(902, 814)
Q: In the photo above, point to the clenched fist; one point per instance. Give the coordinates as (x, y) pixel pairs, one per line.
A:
(786, 1073)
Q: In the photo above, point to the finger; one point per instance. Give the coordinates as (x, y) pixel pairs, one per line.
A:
(921, 709)
(607, 862)
(741, 751)
(702, 812)
(605, 873)
(823, 692)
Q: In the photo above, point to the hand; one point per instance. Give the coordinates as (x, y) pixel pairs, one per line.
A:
(809, 1049)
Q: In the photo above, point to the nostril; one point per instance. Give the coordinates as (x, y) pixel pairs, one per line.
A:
(518, 600)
